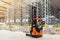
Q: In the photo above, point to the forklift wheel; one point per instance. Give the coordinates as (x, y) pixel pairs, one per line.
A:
(34, 36)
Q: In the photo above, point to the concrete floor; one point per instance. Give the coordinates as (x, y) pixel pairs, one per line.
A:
(8, 35)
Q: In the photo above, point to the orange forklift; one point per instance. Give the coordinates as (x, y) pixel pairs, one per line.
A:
(37, 24)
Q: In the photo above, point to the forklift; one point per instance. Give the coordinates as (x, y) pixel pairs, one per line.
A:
(37, 24)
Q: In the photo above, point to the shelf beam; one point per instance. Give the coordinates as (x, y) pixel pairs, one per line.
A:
(5, 2)
(3, 10)
(3, 7)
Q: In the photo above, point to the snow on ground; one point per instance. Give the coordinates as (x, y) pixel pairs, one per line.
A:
(8, 35)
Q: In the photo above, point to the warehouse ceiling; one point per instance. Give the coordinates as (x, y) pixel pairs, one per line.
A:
(4, 4)
(55, 3)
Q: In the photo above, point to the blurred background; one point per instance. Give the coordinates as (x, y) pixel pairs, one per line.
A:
(15, 15)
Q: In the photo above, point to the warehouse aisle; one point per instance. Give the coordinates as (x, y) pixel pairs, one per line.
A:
(8, 35)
